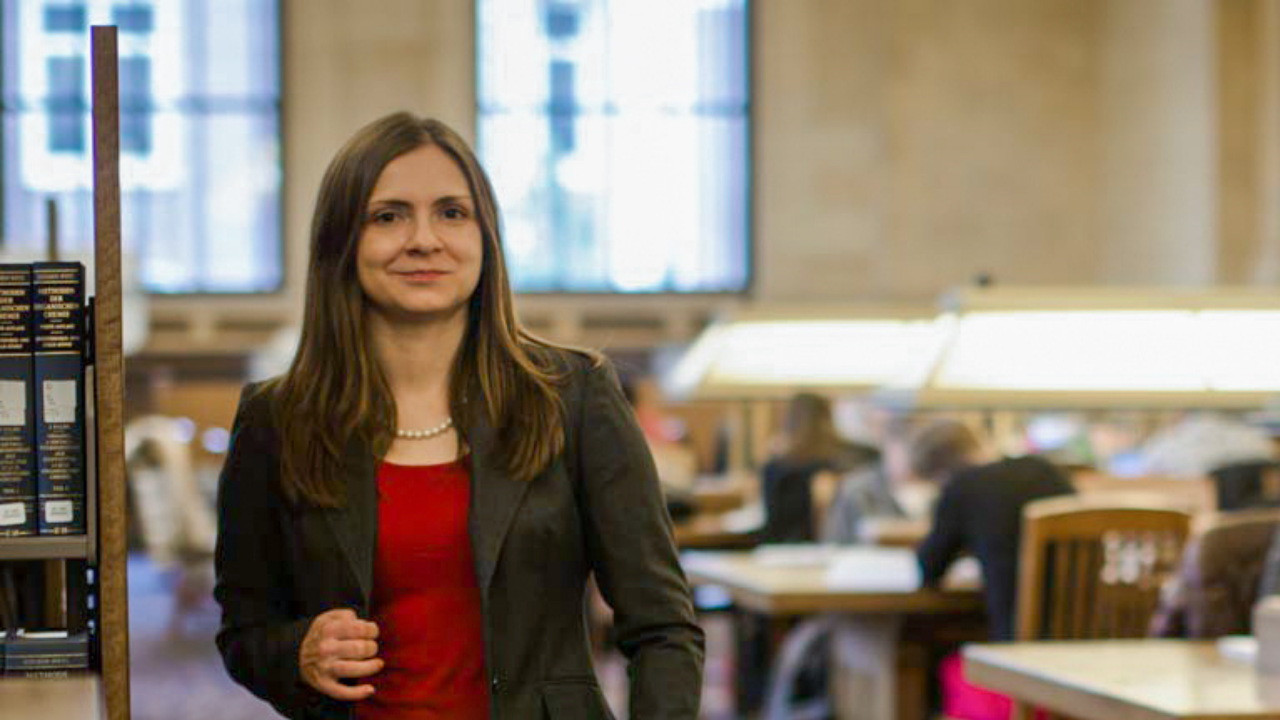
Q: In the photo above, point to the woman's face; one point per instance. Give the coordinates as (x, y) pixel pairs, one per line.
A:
(420, 249)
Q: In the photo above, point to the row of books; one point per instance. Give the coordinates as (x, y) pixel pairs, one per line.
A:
(43, 635)
(43, 332)
(45, 654)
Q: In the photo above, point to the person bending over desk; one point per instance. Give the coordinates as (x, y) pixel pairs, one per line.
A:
(979, 510)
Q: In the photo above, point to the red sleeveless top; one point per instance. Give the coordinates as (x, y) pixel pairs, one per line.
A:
(426, 601)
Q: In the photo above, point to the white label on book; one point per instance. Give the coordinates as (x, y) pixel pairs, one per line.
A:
(13, 403)
(58, 511)
(12, 514)
(59, 401)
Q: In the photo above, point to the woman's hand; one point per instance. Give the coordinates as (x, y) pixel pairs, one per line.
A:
(339, 645)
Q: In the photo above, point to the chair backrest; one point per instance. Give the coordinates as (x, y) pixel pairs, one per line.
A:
(1218, 578)
(1195, 495)
(176, 521)
(1087, 570)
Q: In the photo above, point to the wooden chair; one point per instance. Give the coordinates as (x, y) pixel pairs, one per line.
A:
(1218, 579)
(1093, 571)
(1196, 495)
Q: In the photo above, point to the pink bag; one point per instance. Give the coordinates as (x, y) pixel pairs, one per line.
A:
(965, 701)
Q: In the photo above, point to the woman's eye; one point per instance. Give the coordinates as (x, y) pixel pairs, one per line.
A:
(454, 213)
(383, 217)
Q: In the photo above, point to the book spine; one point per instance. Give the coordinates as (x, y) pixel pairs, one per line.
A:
(17, 404)
(59, 391)
(44, 674)
(47, 662)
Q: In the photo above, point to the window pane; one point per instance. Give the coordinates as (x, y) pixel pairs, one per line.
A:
(65, 17)
(135, 105)
(132, 18)
(199, 135)
(619, 168)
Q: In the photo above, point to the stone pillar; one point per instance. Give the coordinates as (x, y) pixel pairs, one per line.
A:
(1266, 269)
(1158, 158)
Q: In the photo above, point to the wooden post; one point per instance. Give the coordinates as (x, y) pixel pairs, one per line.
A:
(113, 599)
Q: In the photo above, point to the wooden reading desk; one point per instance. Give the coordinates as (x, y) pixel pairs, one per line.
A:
(883, 626)
(702, 532)
(1126, 679)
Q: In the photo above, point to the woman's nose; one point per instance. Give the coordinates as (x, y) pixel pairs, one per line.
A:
(423, 237)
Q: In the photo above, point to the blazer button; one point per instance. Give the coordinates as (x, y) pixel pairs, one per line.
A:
(497, 684)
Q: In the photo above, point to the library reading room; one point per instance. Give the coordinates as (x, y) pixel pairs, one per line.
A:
(640, 359)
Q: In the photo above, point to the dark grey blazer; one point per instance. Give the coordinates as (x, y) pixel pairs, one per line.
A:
(595, 508)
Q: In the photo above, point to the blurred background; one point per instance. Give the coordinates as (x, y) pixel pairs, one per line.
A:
(670, 172)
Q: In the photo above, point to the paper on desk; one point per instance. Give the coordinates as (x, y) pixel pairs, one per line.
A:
(744, 519)
(965, 572)
(1241, 648)
(794, 554)
(874, 569)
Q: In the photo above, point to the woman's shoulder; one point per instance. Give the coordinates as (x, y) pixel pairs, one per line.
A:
(571, 365)
(254, 414)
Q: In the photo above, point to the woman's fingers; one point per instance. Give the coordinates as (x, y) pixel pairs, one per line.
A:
(344, 623)
(353, 629)
(348, 649)
(338, 691)
(355, 668)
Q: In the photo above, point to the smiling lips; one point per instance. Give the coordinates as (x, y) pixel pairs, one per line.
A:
(421, 275)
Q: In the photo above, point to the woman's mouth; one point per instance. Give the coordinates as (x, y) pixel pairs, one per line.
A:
(422, 275)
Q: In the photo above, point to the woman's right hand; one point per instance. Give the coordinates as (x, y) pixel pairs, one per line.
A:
(339, 645)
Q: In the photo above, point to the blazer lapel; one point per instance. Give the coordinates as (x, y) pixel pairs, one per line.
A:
(356, 525)
(495, 497)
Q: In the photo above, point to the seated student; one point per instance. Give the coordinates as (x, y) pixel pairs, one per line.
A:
(809, 445)
(861, 495)
(881, 490)
(979, 510)
(1223, 570)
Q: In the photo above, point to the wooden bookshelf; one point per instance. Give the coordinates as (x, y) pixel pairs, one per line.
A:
(104, 691)
(108, 379)
(75, 698)
(45, 548)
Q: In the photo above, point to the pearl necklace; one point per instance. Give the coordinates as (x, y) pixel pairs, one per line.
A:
(425, 434)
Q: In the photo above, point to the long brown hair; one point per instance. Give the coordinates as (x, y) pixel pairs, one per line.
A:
(335, 393)
(809, 429)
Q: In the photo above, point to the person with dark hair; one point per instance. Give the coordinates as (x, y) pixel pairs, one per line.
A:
(407, 517)
(809, 446)
(979, 510)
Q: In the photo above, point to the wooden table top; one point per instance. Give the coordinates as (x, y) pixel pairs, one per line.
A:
(717, 498)
(709, 531)
(76, 698)
(901, 532)
(1126, 679)
(765, 582)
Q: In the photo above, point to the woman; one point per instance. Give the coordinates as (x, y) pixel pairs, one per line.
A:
(407, 517)
(810, 445)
